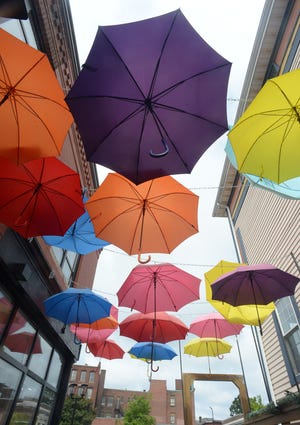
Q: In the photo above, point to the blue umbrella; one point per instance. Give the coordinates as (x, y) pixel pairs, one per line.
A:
(80, 237)
(288, 189)
(151, 351)
(77, 306)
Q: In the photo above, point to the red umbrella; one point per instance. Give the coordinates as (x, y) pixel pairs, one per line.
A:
(159, 327)
(40, 197)
(22, 343)
(88, 335)
(214, 325)
(159, 287)
(107, 349)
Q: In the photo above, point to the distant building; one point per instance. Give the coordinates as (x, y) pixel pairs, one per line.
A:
(110, 404)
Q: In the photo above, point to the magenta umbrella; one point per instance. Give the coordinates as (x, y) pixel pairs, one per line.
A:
(214, 325)
(159, 287)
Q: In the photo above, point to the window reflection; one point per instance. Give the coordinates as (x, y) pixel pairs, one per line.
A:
(20, 338)
(9, 381)
(27, 402)
(40, 358)
(46, 405)
(5, 311)
(54, 370)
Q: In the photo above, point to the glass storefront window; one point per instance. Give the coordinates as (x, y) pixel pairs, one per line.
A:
(20, 338)
(26, 403)
(9, 381)
(5, 311)
(40, 357)
(46, 405)
(54, 370)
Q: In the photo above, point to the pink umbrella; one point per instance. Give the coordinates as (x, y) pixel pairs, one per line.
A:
(159, 287)
(107, 349)
(90, 335)
(214, 325)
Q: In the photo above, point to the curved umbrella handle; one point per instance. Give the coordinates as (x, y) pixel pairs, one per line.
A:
(221, 356)
(143, 261)
(154, 369)
(161, 154)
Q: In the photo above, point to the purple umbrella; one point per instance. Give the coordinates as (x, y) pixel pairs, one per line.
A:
(151, 97)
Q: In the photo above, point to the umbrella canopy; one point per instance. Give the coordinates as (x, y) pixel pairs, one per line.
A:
(287, 189)
(22, 342)
(265, 139)
(161, 287)
(211, 347)
(155, 216)
(246, 314)
(40, 197)
(80, 237)
(258, 284)
(152, 350)
(77, 306)
(214, 325)
(141, 114)
(87, 334)
(107, 349)
(34, 117)
(158, 327)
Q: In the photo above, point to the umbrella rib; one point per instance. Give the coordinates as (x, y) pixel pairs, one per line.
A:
(122, 61)
(151, 88)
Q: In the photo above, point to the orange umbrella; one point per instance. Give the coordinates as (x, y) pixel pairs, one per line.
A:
(154, 216)
(34, 118)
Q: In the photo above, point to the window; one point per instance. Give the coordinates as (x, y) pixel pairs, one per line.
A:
(103, 401)
(67, 261)
(110, 401)
(172, 418)
(83, 375)
(172, 400)
(73, 375)
(89, 393)
(290, 331)
(92, 377)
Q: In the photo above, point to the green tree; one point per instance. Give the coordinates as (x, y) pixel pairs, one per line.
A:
(236, 407)
(77, 411)
(138, 412)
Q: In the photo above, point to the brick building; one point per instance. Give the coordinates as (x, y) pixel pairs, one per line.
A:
(110, 404)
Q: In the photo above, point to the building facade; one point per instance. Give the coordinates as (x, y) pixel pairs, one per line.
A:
(34, 371)
(266, 226)
(110, 404)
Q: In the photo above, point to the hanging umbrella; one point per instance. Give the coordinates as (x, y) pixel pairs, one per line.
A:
(207, 347)
(34, 117)
(258, 284)
(158, 327)
(87, 335)
(246, 314)
(80, 237)
(159, 287)
(22, 342)
(141, 114)
(155, 350)
(77, 306)
(107, 349)
(287, 189)
(40, 197)
(214, 325)
(265, 139)
(155, 216)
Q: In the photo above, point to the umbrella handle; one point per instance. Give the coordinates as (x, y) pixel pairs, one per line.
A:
(221, 356)
(164, 153)
(143, 261)
(150, 362)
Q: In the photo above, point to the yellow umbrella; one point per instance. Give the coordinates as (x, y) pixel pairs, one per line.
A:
(247, 314)
(265, 139)
(210, 347)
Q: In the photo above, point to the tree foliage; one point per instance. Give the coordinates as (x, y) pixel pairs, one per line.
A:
(138, 412)
(77, 411)
(236, 407)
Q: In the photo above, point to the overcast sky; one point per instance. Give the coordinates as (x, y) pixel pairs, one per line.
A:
(229, 27)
